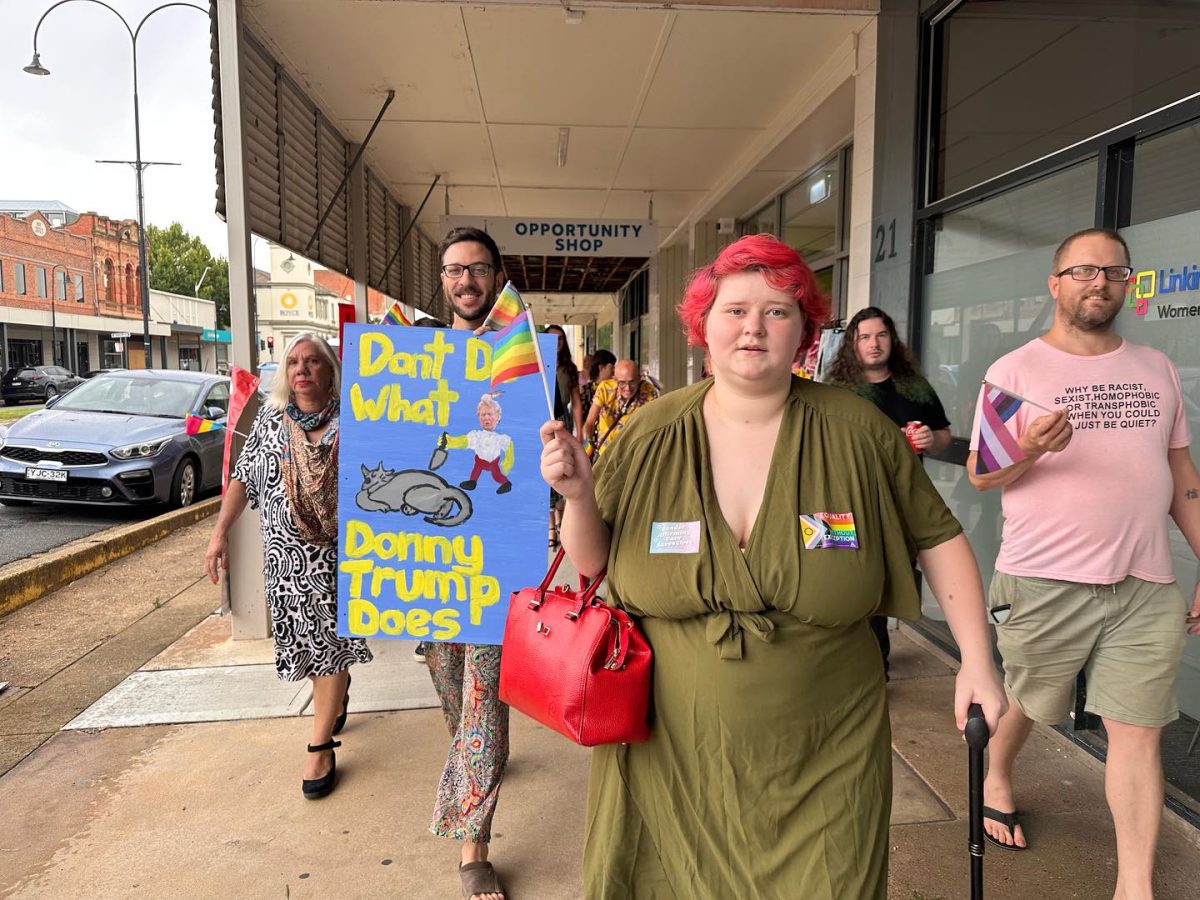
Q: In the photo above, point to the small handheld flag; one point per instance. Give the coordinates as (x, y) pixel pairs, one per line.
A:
(395, 315)
(513, 353)
(998, 449)
(507, 307)
(194, 424)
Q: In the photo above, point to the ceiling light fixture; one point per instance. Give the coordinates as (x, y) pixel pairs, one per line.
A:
(574, 16)
(564, 136)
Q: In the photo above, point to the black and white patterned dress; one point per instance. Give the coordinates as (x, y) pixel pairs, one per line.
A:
(300, 578)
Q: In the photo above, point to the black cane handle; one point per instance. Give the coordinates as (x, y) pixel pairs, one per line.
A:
(976, 731)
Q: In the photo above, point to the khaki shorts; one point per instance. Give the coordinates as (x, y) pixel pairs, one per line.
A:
(1127, 638)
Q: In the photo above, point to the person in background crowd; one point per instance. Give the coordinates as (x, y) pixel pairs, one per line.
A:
(873, 362)
(1085, 573)
(601, 370)
(467, 676)
(567, 407)
(288, 470)
(791, 509)
(615, 401)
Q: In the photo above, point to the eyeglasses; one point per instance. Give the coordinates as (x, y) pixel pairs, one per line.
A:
(1088, 273)
(1000, 613)
(633, 383)
(477, 270)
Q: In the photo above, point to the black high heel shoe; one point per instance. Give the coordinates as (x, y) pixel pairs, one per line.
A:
(340, 722)
(316, 788)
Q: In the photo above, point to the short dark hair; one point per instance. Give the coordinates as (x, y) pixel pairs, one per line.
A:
(600, 359)
(1088, 232)
(476, 235)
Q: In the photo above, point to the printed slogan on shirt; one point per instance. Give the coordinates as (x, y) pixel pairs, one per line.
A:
(441, 509)
(1119, 406)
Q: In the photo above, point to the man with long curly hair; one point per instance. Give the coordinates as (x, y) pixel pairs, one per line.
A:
(874, 363)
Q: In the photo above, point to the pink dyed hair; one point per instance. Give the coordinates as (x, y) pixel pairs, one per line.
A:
(781, 266)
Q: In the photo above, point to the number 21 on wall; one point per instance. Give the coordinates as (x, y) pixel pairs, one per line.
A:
(885, 236)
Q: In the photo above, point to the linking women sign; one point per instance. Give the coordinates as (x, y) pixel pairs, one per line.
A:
(442, 510)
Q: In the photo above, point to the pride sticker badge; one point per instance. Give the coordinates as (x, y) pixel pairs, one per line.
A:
(825, 530)
(675, 537)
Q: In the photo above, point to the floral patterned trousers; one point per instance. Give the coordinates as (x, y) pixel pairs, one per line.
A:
(467, 680)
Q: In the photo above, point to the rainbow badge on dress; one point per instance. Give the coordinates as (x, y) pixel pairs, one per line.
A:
(825, 530)
(196, 425)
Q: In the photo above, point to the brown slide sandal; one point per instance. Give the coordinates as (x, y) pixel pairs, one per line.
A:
(478, 878)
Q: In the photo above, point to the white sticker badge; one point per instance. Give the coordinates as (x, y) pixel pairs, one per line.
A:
(675, 537)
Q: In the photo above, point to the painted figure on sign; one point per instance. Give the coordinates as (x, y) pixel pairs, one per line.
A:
(493, 450)
(413, 491)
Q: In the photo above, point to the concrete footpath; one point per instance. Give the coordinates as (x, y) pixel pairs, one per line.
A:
(145, 754)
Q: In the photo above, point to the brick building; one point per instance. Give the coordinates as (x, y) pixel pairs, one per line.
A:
(69, 289)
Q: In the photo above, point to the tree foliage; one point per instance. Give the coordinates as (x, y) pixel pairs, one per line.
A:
(177, 261)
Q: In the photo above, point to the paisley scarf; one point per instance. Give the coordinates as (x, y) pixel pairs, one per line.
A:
(310, 472)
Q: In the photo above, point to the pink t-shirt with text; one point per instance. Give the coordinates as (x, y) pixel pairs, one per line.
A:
(1096, 512)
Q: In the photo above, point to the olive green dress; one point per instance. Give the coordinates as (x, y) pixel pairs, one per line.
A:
(768, 773)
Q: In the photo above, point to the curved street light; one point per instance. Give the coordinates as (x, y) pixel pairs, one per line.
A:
(35, 67)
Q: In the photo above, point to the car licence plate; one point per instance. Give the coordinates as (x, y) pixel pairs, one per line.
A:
(45, 474)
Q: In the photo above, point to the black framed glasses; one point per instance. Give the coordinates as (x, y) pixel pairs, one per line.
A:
(1088, 273)
(477, 270)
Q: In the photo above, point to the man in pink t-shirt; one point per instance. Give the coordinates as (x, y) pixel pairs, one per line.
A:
(1084, 571)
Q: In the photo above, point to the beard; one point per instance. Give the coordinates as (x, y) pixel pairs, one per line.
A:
(1093, 318)
(459, 297)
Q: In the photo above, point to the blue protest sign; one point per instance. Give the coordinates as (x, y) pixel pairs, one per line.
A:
(442, 511)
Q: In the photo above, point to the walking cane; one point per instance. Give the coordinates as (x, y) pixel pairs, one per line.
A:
(976, 734)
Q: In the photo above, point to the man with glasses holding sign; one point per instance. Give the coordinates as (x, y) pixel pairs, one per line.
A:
(1085, 435)
(614, 402)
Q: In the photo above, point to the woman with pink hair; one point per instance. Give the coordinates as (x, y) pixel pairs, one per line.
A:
(755, 522)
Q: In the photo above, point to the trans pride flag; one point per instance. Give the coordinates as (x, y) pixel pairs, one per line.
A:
(998, 449)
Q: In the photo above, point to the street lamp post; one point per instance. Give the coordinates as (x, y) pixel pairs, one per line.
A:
(35, 67)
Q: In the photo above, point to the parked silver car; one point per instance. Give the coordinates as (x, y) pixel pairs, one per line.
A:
(118, 440)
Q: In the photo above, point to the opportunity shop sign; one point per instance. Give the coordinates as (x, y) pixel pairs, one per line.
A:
(518, 236)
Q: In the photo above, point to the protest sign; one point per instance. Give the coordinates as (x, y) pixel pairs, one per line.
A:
(442, 511)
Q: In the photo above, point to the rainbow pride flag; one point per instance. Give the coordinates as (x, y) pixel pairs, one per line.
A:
(194, 424)
(395, 316)
(508, 306)
(513, 353)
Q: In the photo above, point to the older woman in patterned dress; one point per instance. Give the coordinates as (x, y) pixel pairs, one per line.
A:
(288, 471)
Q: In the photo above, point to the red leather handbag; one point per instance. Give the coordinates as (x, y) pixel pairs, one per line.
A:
(575, 664)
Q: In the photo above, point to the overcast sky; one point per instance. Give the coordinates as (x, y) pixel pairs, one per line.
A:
(54, 128)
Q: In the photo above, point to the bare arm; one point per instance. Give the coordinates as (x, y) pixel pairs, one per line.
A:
(566, 468)
(216, 557)
(954, 580)
(1046, 434)
(941, 440)
(576, 411)
(589, 427)
(1185, 510)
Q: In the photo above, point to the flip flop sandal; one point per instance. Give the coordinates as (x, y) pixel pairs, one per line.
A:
(478, 878)
(1011, 820)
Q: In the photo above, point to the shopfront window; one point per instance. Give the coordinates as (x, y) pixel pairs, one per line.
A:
(993, 62)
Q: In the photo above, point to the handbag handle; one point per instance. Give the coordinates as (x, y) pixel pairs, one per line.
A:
(587, 589)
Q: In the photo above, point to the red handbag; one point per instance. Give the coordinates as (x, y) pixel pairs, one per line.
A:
(576, 665)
